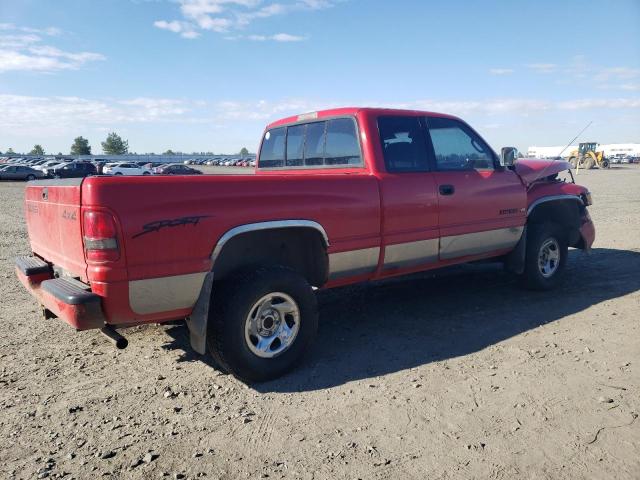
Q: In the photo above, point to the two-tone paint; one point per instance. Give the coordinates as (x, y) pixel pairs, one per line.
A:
(374, 224)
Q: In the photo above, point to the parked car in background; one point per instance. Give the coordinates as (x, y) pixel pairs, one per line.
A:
(46, 165)
(20, 172)
(177, 169)
(72, 170)
(125, 169)
(99, 164)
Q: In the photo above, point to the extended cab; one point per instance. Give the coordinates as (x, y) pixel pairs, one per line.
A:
(339, 196)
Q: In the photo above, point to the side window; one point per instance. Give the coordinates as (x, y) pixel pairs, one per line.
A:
(314, 144)
(403, 144)
(323, 143)
(341, 144)
(272, 151)
(457, 147)
(295, 145)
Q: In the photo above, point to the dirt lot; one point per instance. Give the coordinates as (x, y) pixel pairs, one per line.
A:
(460, 375)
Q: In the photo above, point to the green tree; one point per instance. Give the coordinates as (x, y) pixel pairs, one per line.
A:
(37, 150)
(80, 146)
(10, 151)
(169, 152)
(115, 145)
(244, 151)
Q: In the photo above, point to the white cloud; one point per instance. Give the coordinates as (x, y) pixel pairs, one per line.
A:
(185, 29)
(224, 16)
(51, 31)
(21, 51)
(580, 71)
(542, 67)
(32, 115)
(279, 37)
(501, 71)
(54, 121)
(600, 103)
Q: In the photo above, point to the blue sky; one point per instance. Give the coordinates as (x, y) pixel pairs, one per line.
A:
(207, 75)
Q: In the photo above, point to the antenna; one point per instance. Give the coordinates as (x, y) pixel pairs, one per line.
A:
(540, 175)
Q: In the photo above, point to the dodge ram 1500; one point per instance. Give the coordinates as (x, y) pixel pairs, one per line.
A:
(338, 197)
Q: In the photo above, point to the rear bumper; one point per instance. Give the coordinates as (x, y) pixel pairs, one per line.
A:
(78, 307)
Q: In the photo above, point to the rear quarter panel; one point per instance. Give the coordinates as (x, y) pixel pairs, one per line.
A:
(170, 225)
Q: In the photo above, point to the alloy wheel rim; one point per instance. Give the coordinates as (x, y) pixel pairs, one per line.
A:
(272, 325)
(549, 257)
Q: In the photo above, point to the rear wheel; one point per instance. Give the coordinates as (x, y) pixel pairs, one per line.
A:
(118, 173)
(546, 256)
(262, 322)
(574, 162)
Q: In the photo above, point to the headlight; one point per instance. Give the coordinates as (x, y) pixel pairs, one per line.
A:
(586, 199)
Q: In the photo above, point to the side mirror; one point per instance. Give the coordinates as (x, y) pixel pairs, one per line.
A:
(508, 156)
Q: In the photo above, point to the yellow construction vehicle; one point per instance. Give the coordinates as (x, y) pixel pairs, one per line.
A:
(587, 157)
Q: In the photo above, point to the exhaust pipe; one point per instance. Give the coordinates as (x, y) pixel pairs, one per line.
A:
(119, 341)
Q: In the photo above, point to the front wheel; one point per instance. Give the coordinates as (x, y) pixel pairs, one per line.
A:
(31, 178)
(546, 256)
(588, 163)
(261, 323)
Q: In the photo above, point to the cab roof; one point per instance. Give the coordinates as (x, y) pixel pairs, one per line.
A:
(352, 111)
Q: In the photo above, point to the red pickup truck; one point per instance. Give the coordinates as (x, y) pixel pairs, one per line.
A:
(339, 196)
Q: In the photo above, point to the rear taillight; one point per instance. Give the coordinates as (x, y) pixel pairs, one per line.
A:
(100, 236)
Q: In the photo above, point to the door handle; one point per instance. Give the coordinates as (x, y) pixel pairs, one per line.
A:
(447, 189)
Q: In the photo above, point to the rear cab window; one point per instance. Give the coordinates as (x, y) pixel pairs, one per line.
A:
(330, 143)
(403, 144)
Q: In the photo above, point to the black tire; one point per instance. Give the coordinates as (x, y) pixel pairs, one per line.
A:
(31, 178)
(231, 305)
(118, 173)
(537, 236)
(588, 163)
(574, 162)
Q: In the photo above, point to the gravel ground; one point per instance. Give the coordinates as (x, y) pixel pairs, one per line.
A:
(459, 375)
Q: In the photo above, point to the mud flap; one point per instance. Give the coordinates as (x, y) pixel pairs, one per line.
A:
(197, 322)
(515, 260)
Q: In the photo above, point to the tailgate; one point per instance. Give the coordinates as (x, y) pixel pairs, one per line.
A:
(52, 210)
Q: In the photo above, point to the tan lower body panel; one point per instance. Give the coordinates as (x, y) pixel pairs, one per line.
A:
(479, 242)
(353, 262)
(165, 293)
(406, 255)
